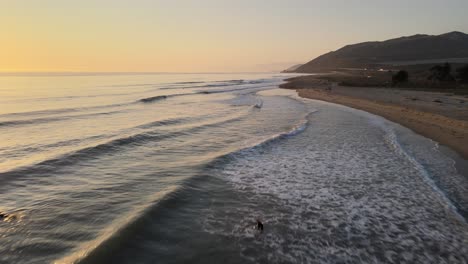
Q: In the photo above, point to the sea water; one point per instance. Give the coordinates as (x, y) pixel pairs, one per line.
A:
(177, 168)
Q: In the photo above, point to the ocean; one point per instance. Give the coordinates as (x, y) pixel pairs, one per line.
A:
(177, 168)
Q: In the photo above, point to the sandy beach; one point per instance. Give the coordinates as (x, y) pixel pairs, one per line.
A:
(442, 117)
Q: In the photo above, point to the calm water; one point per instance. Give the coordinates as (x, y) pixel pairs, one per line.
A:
(176, 168)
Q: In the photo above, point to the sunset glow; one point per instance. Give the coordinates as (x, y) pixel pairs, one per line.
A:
(201, 36)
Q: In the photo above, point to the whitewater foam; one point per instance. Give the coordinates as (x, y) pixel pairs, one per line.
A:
(338, 193)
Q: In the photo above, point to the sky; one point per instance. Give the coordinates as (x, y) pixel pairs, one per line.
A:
(204, 35)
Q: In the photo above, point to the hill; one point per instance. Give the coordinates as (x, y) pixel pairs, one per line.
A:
(417, 49)
(292, 68)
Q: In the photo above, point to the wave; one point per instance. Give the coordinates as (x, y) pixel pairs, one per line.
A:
(232, 90)
(181, 120)
(83, 154)
(295, 130)
(161, 97)
(167, 122)
(188, 82)
(240, 81)
(452, 204)
(143, 100)
(72, 142)
(41, 112)
(121, 231)
(60, 110)
(97, 250)
(91, 152)
(153, 99)
(131, 85)
(232, 81)
(220, 85)
(35, 121)
(392, 140)
(79, 109)
(59, 144)
(217, 84)
(249, 146)
(148, 84)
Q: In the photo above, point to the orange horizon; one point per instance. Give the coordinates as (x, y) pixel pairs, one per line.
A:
(245, 36)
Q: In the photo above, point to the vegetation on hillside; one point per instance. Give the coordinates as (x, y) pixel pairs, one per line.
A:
(462, 74)
(416, 77)
(400, 77)
(441, 73)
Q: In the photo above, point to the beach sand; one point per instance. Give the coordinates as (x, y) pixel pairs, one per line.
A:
(442, 117)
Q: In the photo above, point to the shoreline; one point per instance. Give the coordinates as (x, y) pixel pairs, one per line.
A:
(433, 122)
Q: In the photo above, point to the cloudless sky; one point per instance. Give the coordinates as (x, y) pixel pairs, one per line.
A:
(204, 35)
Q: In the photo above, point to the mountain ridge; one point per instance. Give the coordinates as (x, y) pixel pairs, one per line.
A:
(370, 54)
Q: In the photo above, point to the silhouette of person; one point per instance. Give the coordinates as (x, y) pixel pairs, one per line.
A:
(259, 225)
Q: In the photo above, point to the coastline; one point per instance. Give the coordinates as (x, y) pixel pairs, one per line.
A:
(417, 110)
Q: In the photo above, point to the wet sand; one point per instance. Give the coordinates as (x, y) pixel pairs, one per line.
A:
(442, 117)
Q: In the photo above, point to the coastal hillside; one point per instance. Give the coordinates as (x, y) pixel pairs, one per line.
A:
(292, 68)
(417, 49)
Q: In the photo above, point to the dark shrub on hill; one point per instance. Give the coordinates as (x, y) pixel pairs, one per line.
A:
(441, 73)
(462, 74)
(400, 77)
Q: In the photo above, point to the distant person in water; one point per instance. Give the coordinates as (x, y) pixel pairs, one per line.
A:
(259, 225)
(7, 217)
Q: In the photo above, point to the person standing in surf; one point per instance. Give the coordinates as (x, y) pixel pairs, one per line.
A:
(259, 226)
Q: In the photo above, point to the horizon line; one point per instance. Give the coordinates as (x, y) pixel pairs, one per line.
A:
(85, 73)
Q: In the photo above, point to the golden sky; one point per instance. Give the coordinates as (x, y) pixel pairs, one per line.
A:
(204, 35)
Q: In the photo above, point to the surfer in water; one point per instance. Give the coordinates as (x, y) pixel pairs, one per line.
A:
(259, 226)
(7, 217)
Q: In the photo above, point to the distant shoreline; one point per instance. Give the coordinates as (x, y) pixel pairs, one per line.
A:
(85, 73)
(441, 117)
